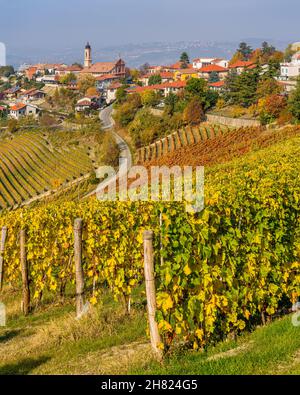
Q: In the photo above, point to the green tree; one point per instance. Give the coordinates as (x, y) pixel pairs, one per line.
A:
(294, 102)
(214, 77)
(288, 53)
(6, 71)
(155, 79)
(266, 49)
(184, 60)
(242, 89)
(150, 98)
(245, 50)
(171, 101)
(121, 94)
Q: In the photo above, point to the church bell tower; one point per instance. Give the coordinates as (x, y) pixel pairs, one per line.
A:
(87, 56)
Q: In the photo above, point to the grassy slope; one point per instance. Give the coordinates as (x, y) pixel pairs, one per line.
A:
(51, 341)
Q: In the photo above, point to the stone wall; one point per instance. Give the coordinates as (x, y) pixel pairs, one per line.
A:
(235, 122)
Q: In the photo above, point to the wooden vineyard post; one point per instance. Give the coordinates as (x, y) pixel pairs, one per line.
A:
(24, 271)
(2, 247)
(78, 266)
(150, 292)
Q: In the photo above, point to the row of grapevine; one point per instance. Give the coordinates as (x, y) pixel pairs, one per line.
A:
(178, 139)
(217, 272)
(28, 167)
(223, 148)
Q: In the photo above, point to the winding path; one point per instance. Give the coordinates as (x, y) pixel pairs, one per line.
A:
(125, 158)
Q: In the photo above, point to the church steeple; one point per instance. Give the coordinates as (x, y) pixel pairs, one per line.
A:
(88, 56)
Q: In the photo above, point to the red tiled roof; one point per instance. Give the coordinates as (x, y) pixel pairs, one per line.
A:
(106, 77)
(176, 85)
(101, 67)
(178, 66)
(18, 106)
(29, 91)
(217, 84)
(212, 68)
(115, 85)
(241, 63)
(2, 108)
(83, 103)
(187, 71)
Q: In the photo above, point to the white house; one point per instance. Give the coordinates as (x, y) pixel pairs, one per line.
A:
(292, 69)
(20, 110)
(199, 63)
(111, 92)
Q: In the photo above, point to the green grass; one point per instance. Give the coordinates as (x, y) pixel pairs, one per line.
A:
(273, 349)
(107, 341)
(51, 341)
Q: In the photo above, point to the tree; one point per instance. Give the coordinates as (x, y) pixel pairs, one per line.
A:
(92, 92)
(121, 94)
(6, 71)
(294, 102)
(193, 113)
(242, 89)
(268, 86)
(12, 126)
(245, 50)
(184, 60)
(145, 128)
(170, 103)
(110, 150)
(196, 87)
(267, 50)
(271, 107)
(155, 79)
(214, 77)
(150, 98)
(87, 81)
(68, 78)
(288, 53)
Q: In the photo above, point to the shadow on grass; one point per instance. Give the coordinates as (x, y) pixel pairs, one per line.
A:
(22, 367)
(9, 335)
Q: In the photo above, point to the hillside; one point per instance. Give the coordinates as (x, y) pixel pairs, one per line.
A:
(219, 274)
(32, 164)
(222, 147)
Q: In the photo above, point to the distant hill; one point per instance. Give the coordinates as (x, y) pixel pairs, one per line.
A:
(136, 54)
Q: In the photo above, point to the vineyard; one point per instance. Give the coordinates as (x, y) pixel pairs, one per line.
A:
(31, 166)
(221, 146)
(182, 138)
(218, 272)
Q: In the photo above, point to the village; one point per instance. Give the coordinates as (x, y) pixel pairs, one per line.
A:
(92, 86)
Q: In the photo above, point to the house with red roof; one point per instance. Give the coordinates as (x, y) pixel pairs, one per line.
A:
(166, 76)
(241, 65)
(111, 91)
(205, 72)
(166, 88)
(19, 110)
(217, 86)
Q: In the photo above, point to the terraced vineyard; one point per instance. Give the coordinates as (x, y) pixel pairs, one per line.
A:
(182, 138)
(213, 145)
(30, 167)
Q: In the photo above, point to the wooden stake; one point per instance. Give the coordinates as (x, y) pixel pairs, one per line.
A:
(78, 266)
(2, 247)
(150, 292)
(24, 270)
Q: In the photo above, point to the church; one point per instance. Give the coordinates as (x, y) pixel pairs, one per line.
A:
(115, 69)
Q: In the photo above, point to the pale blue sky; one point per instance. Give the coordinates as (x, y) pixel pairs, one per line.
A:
(59, 24)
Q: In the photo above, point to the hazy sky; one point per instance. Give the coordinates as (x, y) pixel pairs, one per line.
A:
(59, 24)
